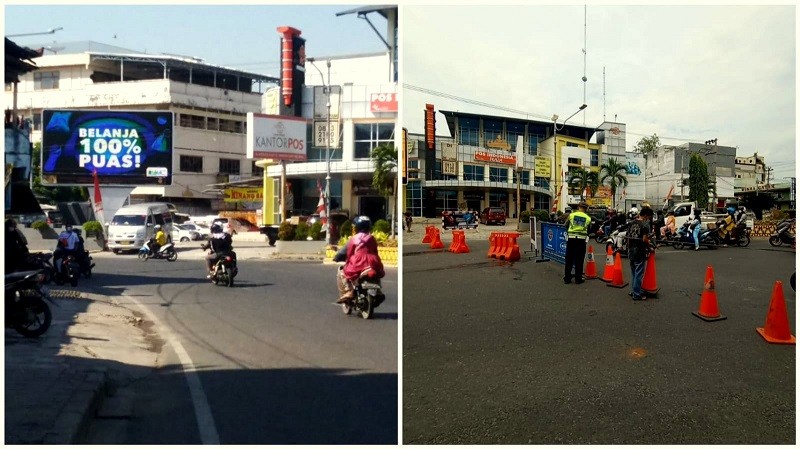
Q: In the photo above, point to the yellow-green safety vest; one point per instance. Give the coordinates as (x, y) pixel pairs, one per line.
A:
(578, 224)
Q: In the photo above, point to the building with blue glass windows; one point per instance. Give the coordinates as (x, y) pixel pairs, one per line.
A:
(475, 165)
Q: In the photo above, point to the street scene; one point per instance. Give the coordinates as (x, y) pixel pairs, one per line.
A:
(177, 360)
(200, 230)
(498, 352)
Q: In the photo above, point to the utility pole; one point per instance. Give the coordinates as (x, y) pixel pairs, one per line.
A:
(769, 176)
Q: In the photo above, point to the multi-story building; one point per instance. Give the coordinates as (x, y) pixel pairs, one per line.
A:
(750, 173)
(475, 166)
(209, 103)
(667, 170)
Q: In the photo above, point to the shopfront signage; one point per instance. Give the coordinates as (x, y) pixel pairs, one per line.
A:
(320, 132)
(499, 143)
(496, 158)
(276, 137)
(449, 168)
(383, 102)
(243, 194)
(542, 166)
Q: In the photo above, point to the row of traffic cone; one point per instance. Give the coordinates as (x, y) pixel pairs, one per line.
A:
(612, 273)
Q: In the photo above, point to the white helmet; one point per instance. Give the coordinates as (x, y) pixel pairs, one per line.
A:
(634, 210)
(157, 227)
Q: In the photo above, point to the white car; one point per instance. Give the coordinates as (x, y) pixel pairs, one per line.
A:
(204, 231)
(180, 233)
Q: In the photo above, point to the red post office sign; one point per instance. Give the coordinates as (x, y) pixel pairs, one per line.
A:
(383, 102)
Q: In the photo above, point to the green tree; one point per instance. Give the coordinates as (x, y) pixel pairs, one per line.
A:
(584, 179)
(698, 181)
(647, 145)
(384, 156)
(53, 194)
(613, 174)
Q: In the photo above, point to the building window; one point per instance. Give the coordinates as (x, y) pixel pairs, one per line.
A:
(573, 144)
(413, 164)
(573, 161)
(193, 164)
(45, 80)
(524, 178)
(473, 172)
(414, 198)
(212, 124)
(533, 143)
(367, 136)
(498, 174)
(492, 129)
(542, 182)
(228, 166)
(498, 199)
(438, 172)
(257, 171)
(192, 121)
(446, 200)
(595, 160)
(514, 130)
(468, 131)
(37, 122)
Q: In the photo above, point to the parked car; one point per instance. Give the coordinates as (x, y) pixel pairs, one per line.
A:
(180, 233)
(493, 215)
(204, 231)
(55, 218)
(26, 220)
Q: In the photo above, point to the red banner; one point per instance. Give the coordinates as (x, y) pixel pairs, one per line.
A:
(383, 102)
(497, 158)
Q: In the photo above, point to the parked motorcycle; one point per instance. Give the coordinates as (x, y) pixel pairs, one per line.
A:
(600, 235)
(41, 261)
(367, 295)
(783, 234)
(26, 310)
(225, 269)
(86, 263)
(70, 271)
(167, 251)
(617, 241)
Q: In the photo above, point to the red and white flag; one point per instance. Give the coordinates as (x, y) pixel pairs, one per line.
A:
(321, 209)
(98, 200)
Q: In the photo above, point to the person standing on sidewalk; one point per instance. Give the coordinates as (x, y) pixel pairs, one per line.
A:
(577, 235)
(638, 249)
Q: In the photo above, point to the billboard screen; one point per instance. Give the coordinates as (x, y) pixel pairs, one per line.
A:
(276, 137)
(125, 147)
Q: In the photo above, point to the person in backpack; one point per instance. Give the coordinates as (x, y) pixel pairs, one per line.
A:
(220, 243)
(638, 236)
(67, 243)
(361, 254)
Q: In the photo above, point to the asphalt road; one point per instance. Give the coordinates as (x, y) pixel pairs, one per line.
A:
(277, 361)
(505, 353)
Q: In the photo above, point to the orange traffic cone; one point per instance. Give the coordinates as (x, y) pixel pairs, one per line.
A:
(709, 310)
(649, 282)
(776, 329)
(436, 243)
(608, 271)
(617, 281)
(591, 269)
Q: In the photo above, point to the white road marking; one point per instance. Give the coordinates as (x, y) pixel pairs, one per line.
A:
(202, 411)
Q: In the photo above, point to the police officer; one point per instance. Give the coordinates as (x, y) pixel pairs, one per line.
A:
(577, 235)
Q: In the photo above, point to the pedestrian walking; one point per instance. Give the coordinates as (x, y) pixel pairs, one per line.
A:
(638, 236)
(577, 236)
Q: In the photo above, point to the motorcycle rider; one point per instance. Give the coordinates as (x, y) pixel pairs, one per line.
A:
(740, 219)
(16, 247)
(694, 227)
(361, 254)
(669, 225)
(220, 243)
(67, 243)
(565, 216)
(159, 240)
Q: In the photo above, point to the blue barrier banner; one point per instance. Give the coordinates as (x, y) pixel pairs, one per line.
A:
(554, 241)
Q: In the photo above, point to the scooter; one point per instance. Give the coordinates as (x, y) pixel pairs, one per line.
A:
(26, 310)
(70, 271)
(684, 237)
(783, 234)
(41, 261)
(617, 241)
(367, 295)
(167, 251)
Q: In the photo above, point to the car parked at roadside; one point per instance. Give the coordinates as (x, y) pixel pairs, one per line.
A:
(495, 215)
(180, 233)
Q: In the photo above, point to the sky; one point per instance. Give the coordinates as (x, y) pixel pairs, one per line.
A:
(684, 73)
(242, 36)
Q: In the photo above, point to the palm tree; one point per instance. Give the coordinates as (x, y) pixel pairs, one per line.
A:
(584, 178)
(613, 174)
(384, 156)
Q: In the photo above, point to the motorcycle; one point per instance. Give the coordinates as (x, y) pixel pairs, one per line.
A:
(167, 251)
(783, 234)
(225, 269)
(367, 295)
(684, 237)
(70, 271)
(617, 241)
(26, 310)
(85, 262)
(41, 261)
(742, 237)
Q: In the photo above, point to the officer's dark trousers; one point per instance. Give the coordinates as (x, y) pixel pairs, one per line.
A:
(576, 251)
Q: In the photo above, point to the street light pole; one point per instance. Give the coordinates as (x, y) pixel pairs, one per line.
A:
(327, 89)
(557, 128)
(50, 31)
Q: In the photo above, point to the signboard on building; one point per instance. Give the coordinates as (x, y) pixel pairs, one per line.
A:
(321, 102)
(449, 168)
(320, 128)
(243, 194)
(449, 151)
(383, 102)
(542, 166)
(276, 137)
(496, 158)
(128, 148)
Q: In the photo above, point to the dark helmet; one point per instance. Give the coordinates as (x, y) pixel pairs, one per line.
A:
(68, 228)
(11, 224)
(362, 224)
(216, 228)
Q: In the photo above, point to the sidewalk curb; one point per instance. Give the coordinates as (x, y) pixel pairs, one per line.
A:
(73, 422)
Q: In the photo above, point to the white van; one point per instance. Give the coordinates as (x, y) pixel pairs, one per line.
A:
(132, 225)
